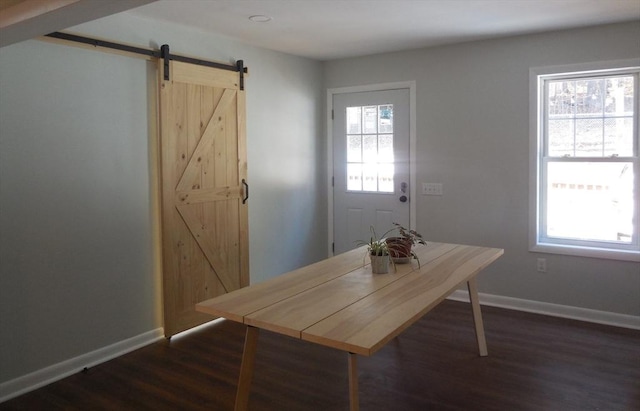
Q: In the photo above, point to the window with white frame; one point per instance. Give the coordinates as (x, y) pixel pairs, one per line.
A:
(587, 163)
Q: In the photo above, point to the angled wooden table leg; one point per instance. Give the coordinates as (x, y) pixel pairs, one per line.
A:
(246, 369)
(477, 317)
(353, 382)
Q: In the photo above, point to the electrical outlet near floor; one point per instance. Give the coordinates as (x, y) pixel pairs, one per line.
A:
(542, 265)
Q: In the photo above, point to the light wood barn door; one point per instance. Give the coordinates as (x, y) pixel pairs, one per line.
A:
(203, 167)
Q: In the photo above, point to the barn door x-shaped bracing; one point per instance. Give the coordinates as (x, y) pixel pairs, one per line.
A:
(203, 171)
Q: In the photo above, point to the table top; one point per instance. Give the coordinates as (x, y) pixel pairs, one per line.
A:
(339, 303)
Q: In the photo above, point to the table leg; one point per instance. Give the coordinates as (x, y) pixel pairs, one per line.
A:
(353, 382)
(477, 317)
(246, 369)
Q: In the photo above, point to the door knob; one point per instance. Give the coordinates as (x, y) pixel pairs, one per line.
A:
(403, 199)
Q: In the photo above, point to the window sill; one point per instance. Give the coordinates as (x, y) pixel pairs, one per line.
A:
(622, 255)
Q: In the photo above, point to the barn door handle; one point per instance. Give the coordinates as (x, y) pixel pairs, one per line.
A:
(246, 191)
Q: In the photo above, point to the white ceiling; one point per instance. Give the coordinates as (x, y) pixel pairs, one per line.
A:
(331, 29)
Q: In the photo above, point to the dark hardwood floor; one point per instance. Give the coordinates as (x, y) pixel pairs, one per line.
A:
(535, 363)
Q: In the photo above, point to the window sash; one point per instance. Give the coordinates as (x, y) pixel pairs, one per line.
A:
(545, 117)
(544, 237)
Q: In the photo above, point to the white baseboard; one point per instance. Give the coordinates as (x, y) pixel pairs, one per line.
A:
(45, 376)
(555, 310)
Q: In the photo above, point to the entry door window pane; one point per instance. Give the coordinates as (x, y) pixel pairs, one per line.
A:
(370, 159)
(354, 177)
(370, 119)
(385, 120)
(385, 178)
(354, 149)
(370, 149)
(385, 148)
(370, 177)
(354, 120)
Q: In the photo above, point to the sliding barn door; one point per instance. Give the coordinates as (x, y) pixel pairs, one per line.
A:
(203, 170)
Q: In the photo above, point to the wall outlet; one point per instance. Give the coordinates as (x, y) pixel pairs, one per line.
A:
(542, 265)
(432, 189)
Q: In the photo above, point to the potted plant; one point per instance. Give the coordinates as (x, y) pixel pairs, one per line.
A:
(397, 249)
(378, 252)
(400, 247)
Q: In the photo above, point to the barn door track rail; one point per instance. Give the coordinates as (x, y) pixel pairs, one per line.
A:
(162, 53)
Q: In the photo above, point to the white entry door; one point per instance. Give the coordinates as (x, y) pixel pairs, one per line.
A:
(370, 164)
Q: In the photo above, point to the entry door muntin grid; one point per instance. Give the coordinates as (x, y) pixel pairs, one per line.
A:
(370, 158)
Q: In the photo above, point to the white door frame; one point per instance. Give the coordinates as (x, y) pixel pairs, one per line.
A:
(411, 85)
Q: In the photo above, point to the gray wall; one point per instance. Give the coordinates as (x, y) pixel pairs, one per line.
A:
(77, 270)
(473, 136)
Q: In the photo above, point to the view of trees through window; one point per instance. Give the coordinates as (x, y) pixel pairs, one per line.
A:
(591, 117)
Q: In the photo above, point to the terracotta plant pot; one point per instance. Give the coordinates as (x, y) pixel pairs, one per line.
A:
(379, 264)
(399, 249)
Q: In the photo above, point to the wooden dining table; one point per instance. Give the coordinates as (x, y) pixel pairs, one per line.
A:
(339, 303)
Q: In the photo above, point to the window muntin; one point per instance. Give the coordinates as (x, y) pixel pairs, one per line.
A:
(588, 162)
(370, 158)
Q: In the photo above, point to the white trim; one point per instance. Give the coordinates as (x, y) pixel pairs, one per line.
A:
(554, 310)
(536, 243)
(604, 66)
(411, 85)
(620, 255)
(413, 150)
(45, 376)
(330, 183)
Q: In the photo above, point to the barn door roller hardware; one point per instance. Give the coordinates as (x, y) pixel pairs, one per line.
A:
(166, 56)
(162, 53)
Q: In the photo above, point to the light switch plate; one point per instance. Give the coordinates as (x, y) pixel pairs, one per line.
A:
(432, 189)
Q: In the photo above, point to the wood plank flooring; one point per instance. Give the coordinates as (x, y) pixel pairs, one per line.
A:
(535, 363)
